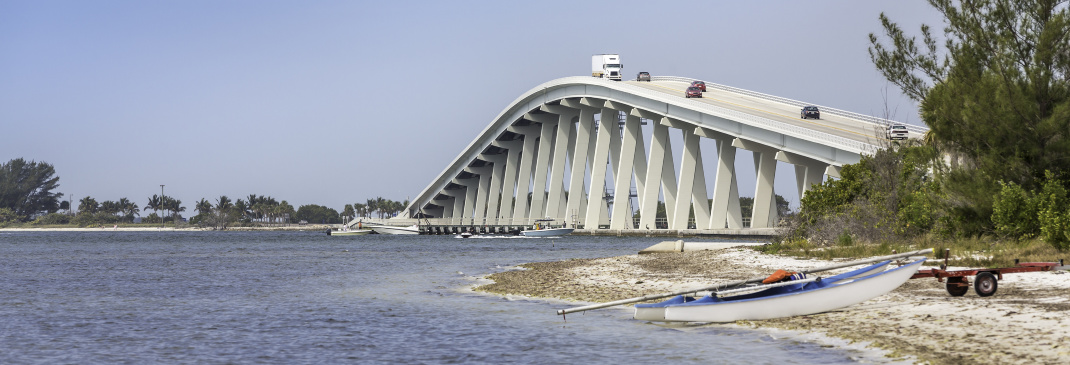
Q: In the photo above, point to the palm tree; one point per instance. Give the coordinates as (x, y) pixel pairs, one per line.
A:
(128, 208)
(380, 205)
(286, 211)
(203, 206)
(372, 206)
(154, 204)
(88, 205)
(223, 209)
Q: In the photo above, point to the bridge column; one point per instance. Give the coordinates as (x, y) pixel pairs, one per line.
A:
(725, 208)
(808, 171)
(542, 163)
(457, 212)
(555, 198)
(596, 204)
(523, 181)
(509, 180)
(640, 164)
(659, 150)
(577, 194)
(622, 189)
(687, 178)
(479, 213)
(763, 213)
(495, 191)
(471, 189)
(669, 182)
(699, 197)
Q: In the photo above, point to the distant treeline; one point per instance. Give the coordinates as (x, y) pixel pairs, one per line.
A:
(27, 195)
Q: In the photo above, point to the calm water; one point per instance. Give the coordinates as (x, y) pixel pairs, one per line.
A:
(303, 297)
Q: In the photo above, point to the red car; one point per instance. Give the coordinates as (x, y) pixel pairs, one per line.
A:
(699, 84)
(693, 92)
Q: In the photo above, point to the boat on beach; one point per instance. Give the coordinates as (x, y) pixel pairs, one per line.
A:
(784, 299)
(545, 228)
(656, 311)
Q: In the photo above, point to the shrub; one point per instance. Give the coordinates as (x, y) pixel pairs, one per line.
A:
(1014, 212)
(53, 218)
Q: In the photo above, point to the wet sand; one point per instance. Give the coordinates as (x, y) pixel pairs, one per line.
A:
(1027, 321)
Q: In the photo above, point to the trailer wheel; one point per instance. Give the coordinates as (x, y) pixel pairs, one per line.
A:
(985, 284)
(957, 286)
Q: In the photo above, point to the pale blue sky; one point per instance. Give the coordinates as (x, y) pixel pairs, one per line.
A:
(335, 102)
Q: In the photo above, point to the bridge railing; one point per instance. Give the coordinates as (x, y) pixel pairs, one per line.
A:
(824, 109)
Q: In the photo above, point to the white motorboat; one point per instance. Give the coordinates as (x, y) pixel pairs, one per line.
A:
(545, 228)
(384, 229)
(349, 232)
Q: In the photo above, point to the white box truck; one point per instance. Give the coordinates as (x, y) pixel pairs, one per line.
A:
(606, 66)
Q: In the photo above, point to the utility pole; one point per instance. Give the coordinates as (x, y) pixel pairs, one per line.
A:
(161, 203)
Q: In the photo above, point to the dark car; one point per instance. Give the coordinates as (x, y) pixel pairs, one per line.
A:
(643, 76)
(693, 92)
(699, 84)
(810, 112)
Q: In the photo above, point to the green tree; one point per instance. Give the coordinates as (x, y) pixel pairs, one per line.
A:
(26, 188)
(996, 97)
(88, 205)
(318, 214)
(154, 204)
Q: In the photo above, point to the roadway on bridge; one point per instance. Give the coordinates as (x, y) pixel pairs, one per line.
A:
(832, 124)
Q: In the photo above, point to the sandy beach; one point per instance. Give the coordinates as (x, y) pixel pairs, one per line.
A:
(1027, 321)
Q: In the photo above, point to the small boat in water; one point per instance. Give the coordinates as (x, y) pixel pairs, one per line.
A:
(349, 232)
(384, 229)
(784, 299)
(545, 228)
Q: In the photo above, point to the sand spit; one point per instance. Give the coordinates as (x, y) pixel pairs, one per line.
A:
(1027, 321)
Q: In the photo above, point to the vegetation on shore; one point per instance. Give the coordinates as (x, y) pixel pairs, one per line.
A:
(989, 180)
(28, 199)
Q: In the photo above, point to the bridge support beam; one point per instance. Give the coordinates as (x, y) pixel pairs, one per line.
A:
(512, 160)
(596, 203)
(659, 154)
(687, 178)
(542, 163)
(725, 210)
(622, 189)
(479, 211)
(523, 181)
(494, 194)
(555, 198)
(763, 212)
(577, 196)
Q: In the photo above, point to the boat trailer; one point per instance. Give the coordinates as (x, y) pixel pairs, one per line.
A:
(985, 281)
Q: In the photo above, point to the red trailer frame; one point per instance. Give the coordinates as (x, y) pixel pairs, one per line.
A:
(985, 280)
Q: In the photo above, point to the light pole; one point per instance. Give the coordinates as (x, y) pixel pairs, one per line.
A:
(161, 203)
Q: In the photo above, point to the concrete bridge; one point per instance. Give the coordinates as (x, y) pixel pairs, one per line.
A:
(574, 150)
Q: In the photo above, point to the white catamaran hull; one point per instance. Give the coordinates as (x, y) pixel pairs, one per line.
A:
(413, 229)
(834, 296)
(656, 312)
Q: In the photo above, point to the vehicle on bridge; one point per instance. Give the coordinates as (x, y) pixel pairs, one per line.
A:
(897, 131)
(693, 92)
(606, 66)
(810, 111)
(643, 76)
(699, 84)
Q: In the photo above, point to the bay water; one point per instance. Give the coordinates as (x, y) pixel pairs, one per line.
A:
(115, 297)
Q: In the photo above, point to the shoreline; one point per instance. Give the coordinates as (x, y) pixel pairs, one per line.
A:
(1027, 321)
(164, 229)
